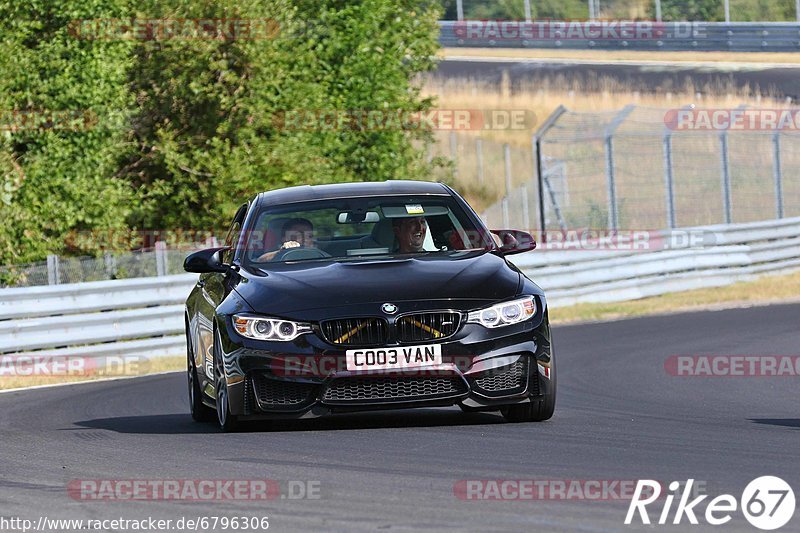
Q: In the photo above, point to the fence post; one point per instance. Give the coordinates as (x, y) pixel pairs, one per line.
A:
(611, 186)
(527, 10)
(537, 160)
(460, 9)
(536, 144)
(668, 183)
(526, 218)
(161, 258)
(53, 270)
(777, 172)
(613, 215)
(110, 264)
(507, 166)
(554, 201)
(504, 207)
(726, 176)
(454, 153)
(479, 153)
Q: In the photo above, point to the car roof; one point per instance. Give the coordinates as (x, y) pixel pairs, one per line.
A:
(304, 193)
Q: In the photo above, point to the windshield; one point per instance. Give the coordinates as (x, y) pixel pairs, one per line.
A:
(349, 228)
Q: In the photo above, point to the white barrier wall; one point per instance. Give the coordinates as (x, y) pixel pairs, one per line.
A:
(133, 317)
(683, 259)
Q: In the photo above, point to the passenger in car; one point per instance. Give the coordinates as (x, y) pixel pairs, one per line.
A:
(296, 232)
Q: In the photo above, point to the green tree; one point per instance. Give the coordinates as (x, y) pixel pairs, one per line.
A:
(186, 128)
(206, 134)
(54, 180)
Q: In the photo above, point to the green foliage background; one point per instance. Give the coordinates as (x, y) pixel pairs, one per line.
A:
(185, 128)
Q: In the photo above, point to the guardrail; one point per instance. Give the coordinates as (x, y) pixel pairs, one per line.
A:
(140, 317)
(144, 317)
(645, 35)
(727, 254)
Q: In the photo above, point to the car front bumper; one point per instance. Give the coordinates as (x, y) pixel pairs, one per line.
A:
(481, 370)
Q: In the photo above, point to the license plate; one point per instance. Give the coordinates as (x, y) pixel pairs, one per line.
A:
(394, 358)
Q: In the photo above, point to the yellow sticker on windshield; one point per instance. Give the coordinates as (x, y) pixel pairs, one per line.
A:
(414, 209)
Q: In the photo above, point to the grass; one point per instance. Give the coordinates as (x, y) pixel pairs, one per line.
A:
(151, 366)
(627, 55)
(764, 290)
(599, 94)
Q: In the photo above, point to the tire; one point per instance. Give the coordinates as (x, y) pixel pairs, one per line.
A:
(200, 412)
(534, 410)
(227, 421)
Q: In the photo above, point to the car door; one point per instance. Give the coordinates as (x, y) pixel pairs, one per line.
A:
(214, 288)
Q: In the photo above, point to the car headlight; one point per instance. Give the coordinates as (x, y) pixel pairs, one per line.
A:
(269, 329)
(504, 314)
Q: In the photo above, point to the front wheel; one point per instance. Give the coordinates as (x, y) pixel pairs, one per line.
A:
(227, 421)
(535, 410)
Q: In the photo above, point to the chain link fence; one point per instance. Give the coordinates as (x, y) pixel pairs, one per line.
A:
(638, 169)
(158, 261)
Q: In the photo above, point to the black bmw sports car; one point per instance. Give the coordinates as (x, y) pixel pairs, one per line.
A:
(361, 296)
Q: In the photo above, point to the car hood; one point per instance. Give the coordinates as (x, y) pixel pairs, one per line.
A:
(470, 277)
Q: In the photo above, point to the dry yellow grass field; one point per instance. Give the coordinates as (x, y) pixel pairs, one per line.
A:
(601, 94)
(764, 290)
(142, 368)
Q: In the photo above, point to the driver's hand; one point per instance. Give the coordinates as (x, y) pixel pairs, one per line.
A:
(290, 244)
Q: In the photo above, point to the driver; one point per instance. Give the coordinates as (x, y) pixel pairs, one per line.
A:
(296, 233)
(410, 234)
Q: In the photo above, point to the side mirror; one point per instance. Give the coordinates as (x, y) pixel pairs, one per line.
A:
(205, 261)
(514, 241)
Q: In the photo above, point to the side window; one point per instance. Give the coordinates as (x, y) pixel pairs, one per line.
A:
(232, 238)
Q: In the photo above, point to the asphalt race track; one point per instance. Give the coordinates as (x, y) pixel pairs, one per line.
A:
(619, 416)
(779, 81)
